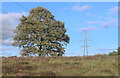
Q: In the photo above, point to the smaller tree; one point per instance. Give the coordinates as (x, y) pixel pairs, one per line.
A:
(115, 53)
(118, 50)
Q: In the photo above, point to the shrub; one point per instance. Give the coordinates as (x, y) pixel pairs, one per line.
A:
(114, 53)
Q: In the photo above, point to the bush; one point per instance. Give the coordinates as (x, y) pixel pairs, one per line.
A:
(113, 53)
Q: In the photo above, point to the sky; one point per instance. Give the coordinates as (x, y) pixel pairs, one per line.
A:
(98, 19)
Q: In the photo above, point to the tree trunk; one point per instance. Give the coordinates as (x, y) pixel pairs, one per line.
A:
(40, 50)
(39, 54)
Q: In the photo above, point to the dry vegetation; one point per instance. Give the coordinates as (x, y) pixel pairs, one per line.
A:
(98, 65)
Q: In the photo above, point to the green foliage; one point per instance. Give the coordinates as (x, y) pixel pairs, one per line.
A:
(39, 33)
(118, 50)
(114, 53)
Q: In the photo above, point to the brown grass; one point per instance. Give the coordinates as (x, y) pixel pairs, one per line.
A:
(60, 66)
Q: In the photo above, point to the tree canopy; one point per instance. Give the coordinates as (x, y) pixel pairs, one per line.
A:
(40, 33)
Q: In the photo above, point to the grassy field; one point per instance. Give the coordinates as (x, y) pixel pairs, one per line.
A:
(98, 65)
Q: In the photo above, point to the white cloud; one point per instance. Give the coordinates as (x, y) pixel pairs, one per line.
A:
(2, 49)
(0, 52)
(107, 49)
(6, 42)
(93, 22)
(88, 14)
(65, 8)
(87, 29)
(108, 23)
(9, 23)
(114, 10)
(81, 8)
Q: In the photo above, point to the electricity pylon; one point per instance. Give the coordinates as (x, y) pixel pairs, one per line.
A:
(85, 51)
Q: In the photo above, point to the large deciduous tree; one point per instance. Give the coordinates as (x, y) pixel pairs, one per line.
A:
(39, 33)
